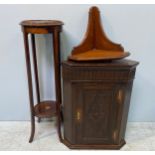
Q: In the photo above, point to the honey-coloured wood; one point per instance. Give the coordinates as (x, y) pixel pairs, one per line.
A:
(96, 46)
(43, 109)
(96, 99)
(96, 55)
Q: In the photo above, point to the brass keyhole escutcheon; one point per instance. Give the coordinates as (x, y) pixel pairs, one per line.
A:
(78, 115)
(120, 96)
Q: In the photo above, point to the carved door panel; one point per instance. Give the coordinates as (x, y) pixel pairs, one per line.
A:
(96, 113)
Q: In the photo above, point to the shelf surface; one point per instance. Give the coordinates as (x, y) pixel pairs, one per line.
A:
(41, 23)
(94, 55)
(45, 109)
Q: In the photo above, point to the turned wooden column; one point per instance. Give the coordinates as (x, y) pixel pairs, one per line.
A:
(42, 109)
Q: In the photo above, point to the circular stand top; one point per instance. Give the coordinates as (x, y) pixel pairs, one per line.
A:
(41, 23)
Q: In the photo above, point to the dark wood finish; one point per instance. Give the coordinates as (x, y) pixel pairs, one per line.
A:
(96, 98)
(41, 23)
(56, 42)
(94, 146)
(43, 108)
(35, 69)
(29, 75)
(96, 45)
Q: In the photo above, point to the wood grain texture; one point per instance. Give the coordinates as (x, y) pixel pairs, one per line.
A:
(96, 45)
(40, 23)
(96, 99)
(94, 146)
(96, 55)
(43, 109)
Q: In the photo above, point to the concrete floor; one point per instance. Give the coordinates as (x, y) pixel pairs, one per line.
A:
(15, 135)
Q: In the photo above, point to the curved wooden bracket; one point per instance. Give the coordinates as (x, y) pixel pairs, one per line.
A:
(95, 38)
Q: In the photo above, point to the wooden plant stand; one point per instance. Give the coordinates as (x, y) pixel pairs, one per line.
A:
(43, 109)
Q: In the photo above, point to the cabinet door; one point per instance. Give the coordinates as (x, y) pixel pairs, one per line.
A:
(95, 112)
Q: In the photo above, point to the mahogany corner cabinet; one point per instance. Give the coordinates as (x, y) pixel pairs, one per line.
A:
(96, 98)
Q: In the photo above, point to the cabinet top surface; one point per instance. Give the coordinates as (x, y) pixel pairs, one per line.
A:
(114, 63)
(38, 23)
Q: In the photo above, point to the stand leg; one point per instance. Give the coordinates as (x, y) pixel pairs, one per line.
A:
(35, 69)
(32, 129)
(29, 75)
(56, 44)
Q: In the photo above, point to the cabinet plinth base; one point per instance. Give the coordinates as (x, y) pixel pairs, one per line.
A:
(95, 146)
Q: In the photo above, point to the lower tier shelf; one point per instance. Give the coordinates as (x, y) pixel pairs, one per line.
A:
(45, 109)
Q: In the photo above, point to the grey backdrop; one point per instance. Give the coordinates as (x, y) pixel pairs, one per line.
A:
(131, 25)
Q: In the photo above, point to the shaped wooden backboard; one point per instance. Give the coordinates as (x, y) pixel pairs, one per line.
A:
(96, 45)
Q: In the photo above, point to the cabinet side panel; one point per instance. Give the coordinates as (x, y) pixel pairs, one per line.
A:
(126, 109)
(67, 111)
